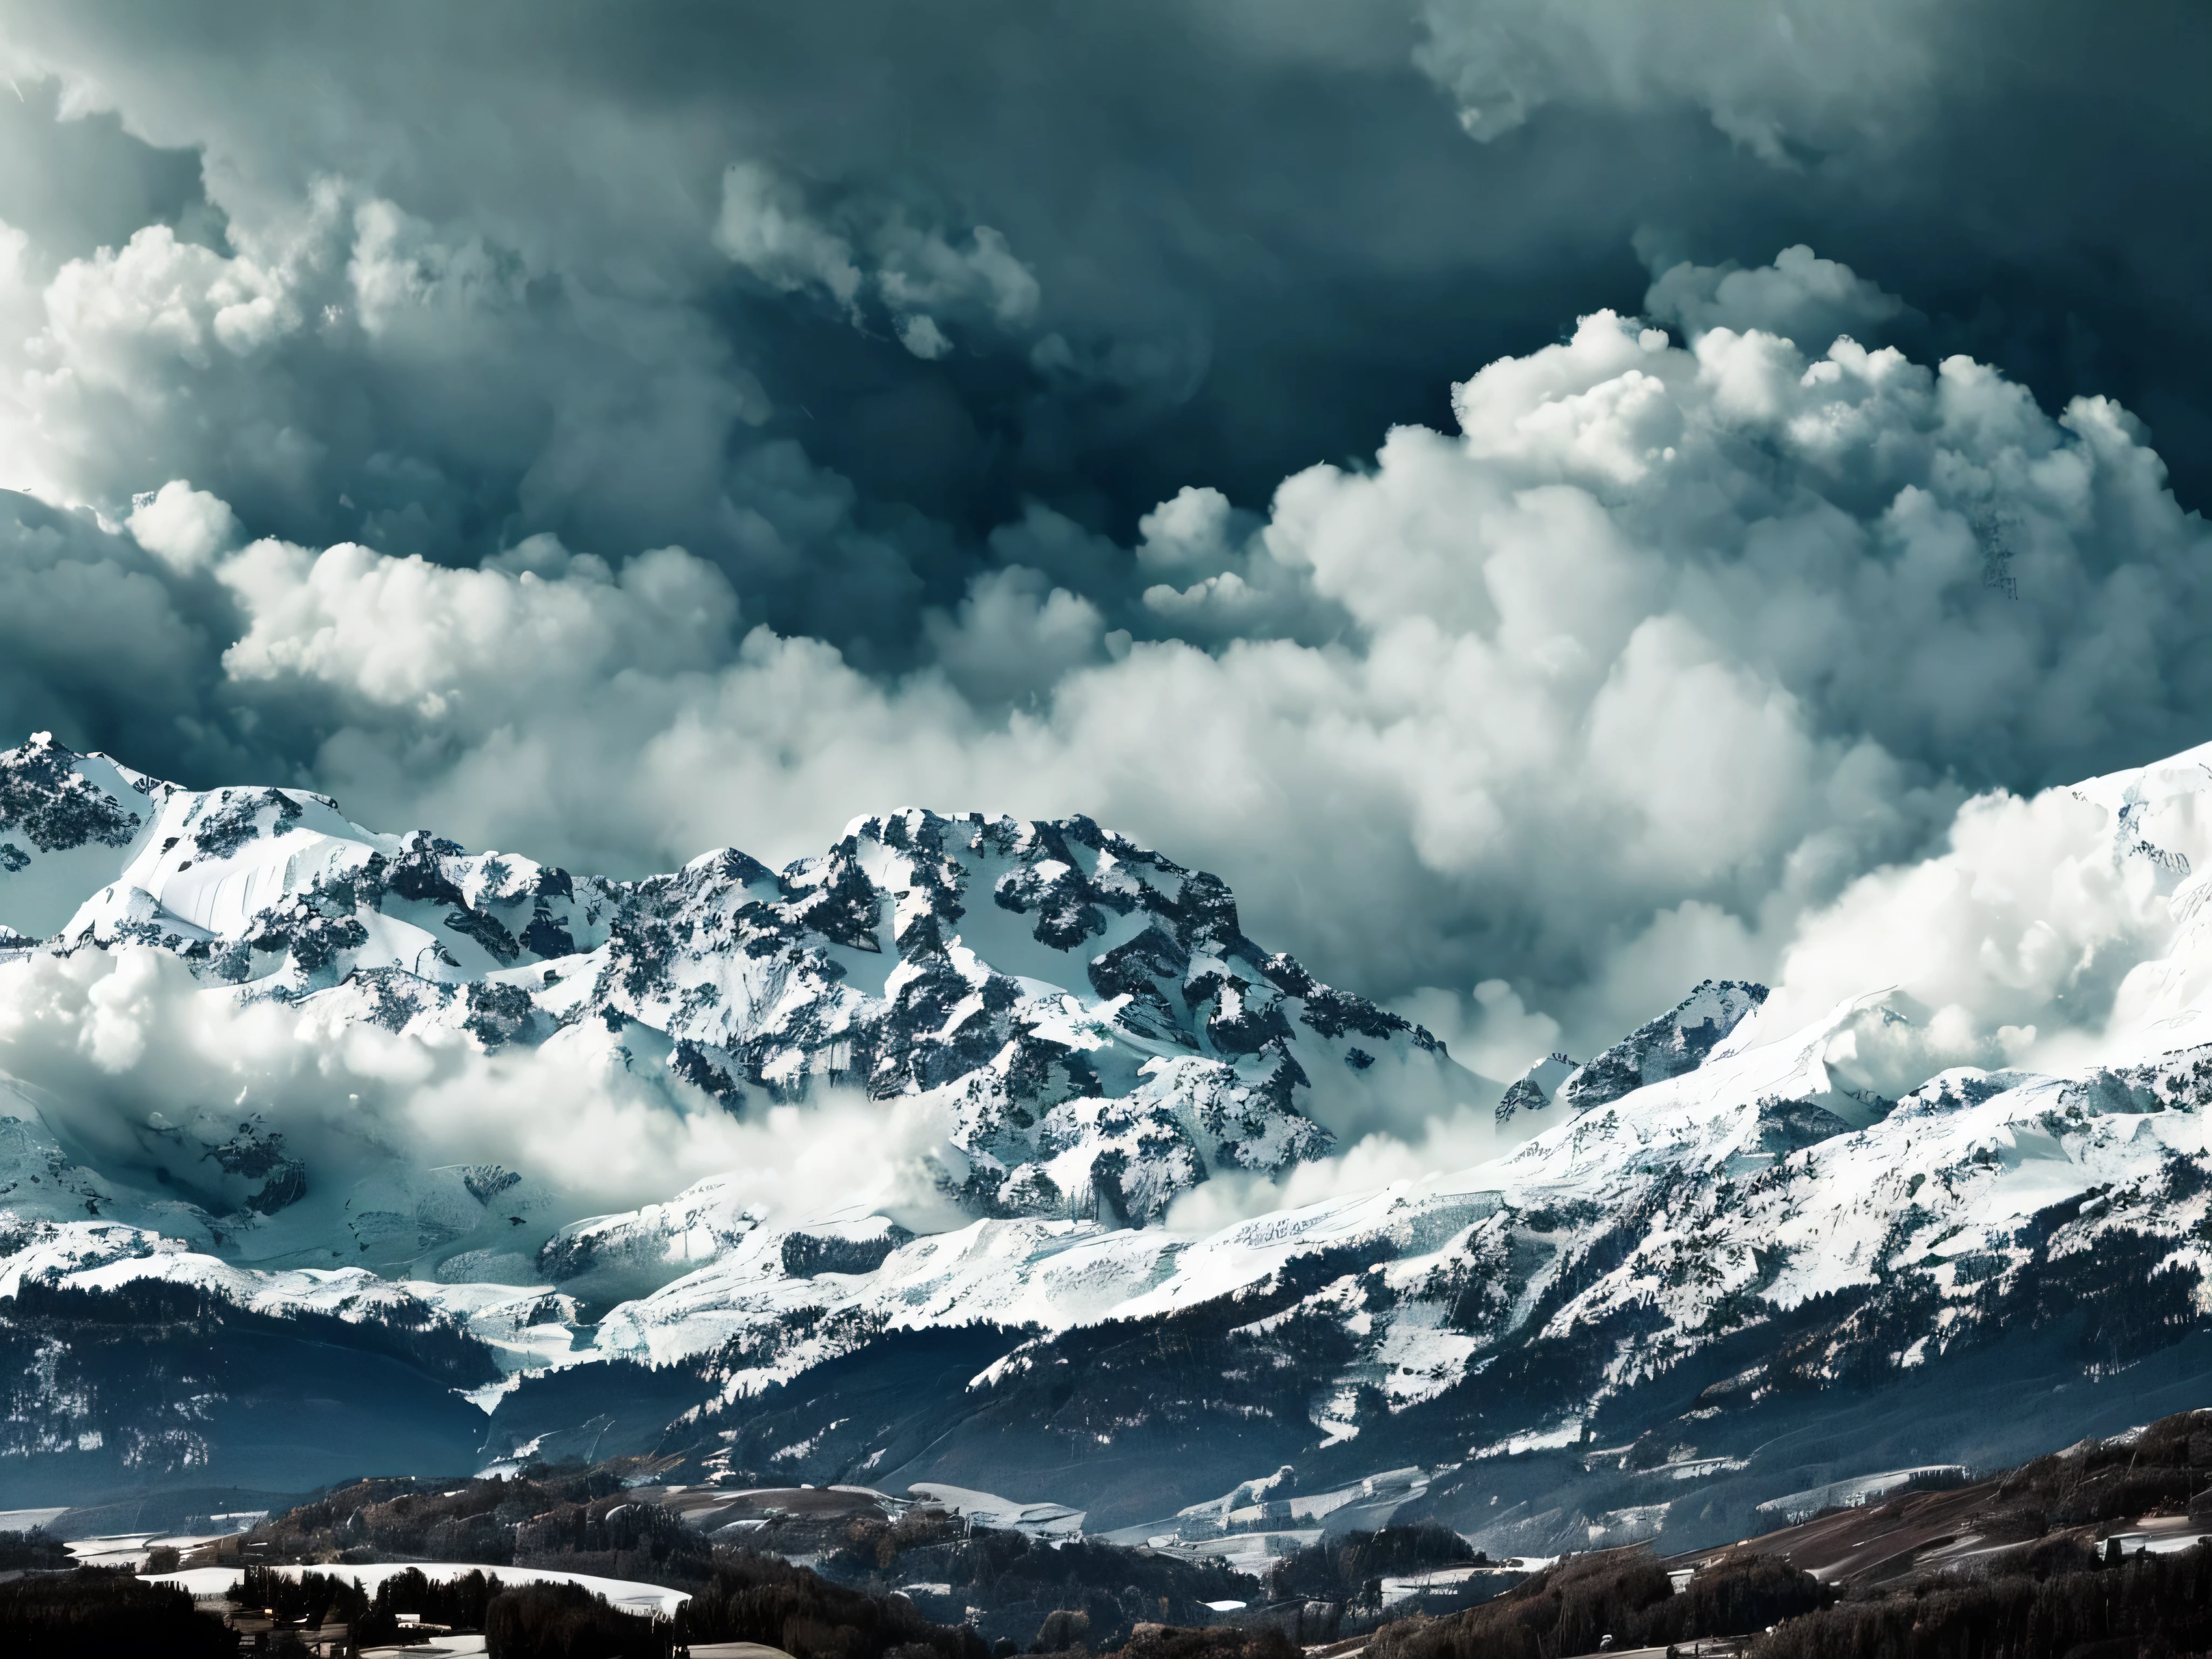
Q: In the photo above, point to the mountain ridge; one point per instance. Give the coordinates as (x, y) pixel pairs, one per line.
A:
(853, 969)
(1726, 1227)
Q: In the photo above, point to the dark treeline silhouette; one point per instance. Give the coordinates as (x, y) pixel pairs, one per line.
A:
(542, 1517)
(1574, 1607)
(312, 1598)
(2050, 1595)
(763, 1598)
(1344, 1569)
(566, 1621)
(1018, 1583)
(93, 1615)
(459, 1603)
(615, 1538)
(1747, 1594)
(578, 1519)
(2167, 1465)
(748, 1598)
(317, 1598)
(1218, 1642)
(2148, 1604)
(35, 1551)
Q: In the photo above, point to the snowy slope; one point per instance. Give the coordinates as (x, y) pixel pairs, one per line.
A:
(1086, 1017)
(1717, 1213)
(1711, 1179)
(1677, 1041)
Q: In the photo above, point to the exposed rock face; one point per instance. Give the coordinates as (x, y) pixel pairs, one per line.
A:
(1678, 1041)
(1536, 1088)
(1100, 1032)
(52, 807)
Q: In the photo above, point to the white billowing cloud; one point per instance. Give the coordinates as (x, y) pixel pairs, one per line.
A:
(1661, 652)
(1489, 1031)
(922, 269)
(2017, 944)
(1014, 636)
(1800, 297)
(270, 367)
(1196, 532)
(916, 271)
(920, 335)
(764, 226)
(1769, 75)
(1220, 582)
(469, 648)
(124, 339)
(183, 527)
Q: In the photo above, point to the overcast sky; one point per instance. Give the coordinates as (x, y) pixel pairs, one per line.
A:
(608, 431)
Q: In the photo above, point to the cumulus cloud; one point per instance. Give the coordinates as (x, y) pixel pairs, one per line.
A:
(443, 644)
(2033, 937)
(765, 227)
(913, 272)
(1800, 297)
(921, 336)
(183, 527)
(1014, 637)
(498, 335)
(1488, 1029)
(130, 346)
(1659, 652)
(924, 271)
(1217, 579)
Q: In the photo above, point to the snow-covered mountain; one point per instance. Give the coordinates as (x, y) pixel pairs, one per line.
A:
(1677, 1041)
(1085, 1017)
(1718, 1254)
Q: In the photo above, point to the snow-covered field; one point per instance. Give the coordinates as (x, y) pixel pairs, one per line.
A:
(209, 1584)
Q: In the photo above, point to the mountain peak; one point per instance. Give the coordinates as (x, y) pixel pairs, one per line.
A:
(1086, 1014)
(1679, 1040)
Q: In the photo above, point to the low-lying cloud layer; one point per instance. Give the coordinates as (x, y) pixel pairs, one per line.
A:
(120, 1051)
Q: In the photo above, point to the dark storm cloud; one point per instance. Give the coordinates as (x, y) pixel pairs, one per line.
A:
(1260, 235)
(908, 325)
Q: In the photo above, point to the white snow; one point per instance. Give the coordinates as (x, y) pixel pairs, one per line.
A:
(1043, 1519)
(1759, 1207)
(209, 1584)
